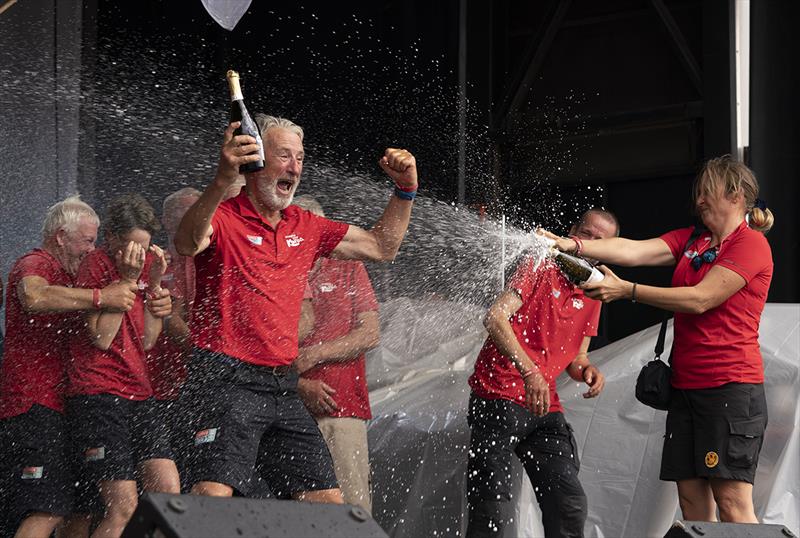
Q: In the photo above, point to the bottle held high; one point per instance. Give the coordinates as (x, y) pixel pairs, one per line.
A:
(248, 126)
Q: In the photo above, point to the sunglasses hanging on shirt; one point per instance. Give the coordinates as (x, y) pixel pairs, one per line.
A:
(706, 257)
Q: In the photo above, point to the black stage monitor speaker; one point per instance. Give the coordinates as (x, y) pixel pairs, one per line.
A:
(190, 516)
(704, 529)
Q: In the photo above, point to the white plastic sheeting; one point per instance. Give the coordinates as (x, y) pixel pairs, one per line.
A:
(419, 435)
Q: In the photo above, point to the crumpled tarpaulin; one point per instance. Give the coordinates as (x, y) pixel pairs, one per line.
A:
(419, 435)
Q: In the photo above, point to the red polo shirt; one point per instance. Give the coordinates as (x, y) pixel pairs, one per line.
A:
(167, 361)
(550, 325)
(341, 291)
(35, 351)
(721, 345)
(121, 370)
(251, 279)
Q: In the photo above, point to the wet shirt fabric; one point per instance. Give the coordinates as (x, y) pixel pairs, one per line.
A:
(36, 344)
(121, 370)
(167, 362)
(341, 291)
(251, 279)
(550, 325)
(720, 345)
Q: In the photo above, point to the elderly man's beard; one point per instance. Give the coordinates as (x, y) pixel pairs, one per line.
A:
(275, 201)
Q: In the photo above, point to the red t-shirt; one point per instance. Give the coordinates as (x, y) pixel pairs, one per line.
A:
(167, 361)
(342, 291)
(251, 279)
(721, 345)
(550, 326)
(35, 351)
(122, 369)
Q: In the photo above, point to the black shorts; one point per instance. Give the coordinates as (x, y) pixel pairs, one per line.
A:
(714, 433)
(37, 476)
(247, 418)
(112, 435)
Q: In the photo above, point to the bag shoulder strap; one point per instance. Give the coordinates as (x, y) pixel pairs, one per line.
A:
(662, 333)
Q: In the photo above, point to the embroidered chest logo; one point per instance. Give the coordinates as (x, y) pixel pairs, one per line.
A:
(577, 304)
(556, 293)
(294, 240)
(255, 239)
(32, 472)
(327, 287)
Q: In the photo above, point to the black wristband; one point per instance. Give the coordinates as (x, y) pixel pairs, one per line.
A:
(633, 293)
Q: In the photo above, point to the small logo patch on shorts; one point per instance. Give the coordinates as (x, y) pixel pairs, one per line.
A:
(712, 459)
(205, 436)
(32, 473)
(95, 454)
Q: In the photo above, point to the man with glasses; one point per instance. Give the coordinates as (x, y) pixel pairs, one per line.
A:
(538, 327)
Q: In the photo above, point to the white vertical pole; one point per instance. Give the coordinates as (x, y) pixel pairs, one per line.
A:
(462, 100)
(742, 25)
(503, 252)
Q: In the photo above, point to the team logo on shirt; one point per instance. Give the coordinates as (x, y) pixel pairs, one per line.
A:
(32, 473)
(205, 436)
(577, 304)
(327, 287)
(255, 239)
(294, 240)
(95, 454)
(556, 293)
(712, 459)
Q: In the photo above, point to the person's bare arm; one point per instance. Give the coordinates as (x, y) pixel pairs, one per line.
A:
(537, 390)
(103, 327)
(153, 317)
(306, 324)
(717, 286)
(365, 336)
(175, 326)
(194, 232)
(619, 251)
(37, 295)
(382, 242)
(580, 369)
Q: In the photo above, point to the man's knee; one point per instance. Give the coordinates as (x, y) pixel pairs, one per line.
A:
(212, 489)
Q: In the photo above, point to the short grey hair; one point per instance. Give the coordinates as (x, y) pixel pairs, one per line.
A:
(66, 215)
(309, 203)
(266, 122)
(172, 201)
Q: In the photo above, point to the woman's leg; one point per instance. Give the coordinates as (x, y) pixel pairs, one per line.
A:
(697, 499)
(735, 500)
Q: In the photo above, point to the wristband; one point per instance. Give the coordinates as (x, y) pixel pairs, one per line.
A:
(407, 189)
(527, 374)
(152, 293)
(633, 293)
(404, 195)
(578, 244)
(96, 299)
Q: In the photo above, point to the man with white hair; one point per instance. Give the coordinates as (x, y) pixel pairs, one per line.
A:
(41, 301)
(253, 254)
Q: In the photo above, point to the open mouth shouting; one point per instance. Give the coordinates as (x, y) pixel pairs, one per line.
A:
(284, 187)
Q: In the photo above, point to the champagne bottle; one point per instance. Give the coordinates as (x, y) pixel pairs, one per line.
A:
(576, 269)
(248, 127)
